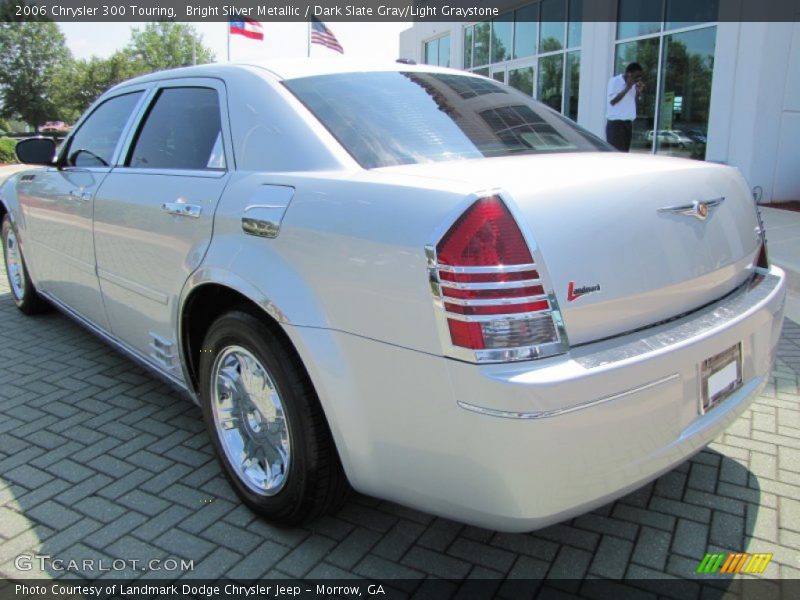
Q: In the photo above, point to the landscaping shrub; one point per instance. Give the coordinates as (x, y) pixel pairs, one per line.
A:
(7, 155)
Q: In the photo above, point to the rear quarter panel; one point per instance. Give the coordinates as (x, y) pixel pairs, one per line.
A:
(349, 256)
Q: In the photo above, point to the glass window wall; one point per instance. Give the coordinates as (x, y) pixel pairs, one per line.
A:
(437, 52)
(535, 48)
(674, 42)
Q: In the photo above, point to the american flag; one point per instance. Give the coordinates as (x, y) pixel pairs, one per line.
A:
(320, 34)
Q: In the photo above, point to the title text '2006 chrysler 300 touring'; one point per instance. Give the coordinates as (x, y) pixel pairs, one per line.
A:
(409, 280)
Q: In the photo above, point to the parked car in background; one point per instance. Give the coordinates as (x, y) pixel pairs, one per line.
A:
(406, 279)
(54, 127)
(695, 135)
(670, 139)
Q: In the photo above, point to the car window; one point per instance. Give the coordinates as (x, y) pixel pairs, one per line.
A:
(394, 118)
(94, 143)
(181, 131)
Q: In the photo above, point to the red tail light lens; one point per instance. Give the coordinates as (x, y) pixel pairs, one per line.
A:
(488, 288)
(466, 335)
(485, 235)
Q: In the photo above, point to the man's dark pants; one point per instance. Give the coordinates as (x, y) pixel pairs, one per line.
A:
(619, 134)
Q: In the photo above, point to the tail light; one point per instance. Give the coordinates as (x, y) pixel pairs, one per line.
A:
(762, 260)
(491, 302)
(763, 257)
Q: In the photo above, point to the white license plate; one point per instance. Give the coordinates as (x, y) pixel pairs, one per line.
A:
(721, 375)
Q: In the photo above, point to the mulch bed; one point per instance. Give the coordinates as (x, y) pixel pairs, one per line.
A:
(791, 205)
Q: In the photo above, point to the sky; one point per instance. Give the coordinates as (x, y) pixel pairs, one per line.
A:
(378, 41)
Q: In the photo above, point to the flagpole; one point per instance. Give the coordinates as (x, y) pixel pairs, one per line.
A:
(228, 29)
(308, 38)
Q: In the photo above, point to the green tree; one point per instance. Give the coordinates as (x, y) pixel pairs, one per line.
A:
(165, 45)
(31, 55)
(161, 45)
(81, 82)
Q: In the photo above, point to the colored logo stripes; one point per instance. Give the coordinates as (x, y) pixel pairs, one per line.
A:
(735, 562)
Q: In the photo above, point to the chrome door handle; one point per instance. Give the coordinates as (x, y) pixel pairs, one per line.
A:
(182, 209)
(79, 195)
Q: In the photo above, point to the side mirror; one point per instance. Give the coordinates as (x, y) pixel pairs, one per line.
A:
(36, 151)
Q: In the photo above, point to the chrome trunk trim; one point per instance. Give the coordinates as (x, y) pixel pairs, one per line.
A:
(546, 414)
(491, 270)
(493, 285)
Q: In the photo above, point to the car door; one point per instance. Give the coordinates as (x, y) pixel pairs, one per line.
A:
(58, 205)
(154, 214)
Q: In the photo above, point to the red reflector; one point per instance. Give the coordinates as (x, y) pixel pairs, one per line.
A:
(534, 290)
(488, 277)
(504, 309)
(485, 235)
(466, 335)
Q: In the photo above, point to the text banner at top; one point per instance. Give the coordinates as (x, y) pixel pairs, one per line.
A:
(399, 10)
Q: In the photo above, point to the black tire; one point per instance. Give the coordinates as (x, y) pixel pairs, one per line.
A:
(23, 292)
(314, 483)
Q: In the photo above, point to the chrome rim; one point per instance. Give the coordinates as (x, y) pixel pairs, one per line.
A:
(16, 275)
(250, 420)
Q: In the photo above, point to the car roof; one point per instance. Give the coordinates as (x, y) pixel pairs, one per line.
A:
(283, 69)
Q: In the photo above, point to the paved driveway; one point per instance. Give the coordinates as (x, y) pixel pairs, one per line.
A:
(99, 460)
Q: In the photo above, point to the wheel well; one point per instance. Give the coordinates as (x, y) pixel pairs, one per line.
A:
(204, 306)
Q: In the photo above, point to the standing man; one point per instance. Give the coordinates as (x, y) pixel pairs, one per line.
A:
(621, 107)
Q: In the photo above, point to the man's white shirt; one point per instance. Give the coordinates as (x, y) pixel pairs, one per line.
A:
(625, 109)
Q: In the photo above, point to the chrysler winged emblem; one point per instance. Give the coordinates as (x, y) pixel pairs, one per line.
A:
(699, 209)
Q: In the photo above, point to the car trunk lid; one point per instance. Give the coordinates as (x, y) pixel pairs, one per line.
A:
(620, 238)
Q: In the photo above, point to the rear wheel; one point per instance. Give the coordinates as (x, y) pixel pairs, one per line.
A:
(23, 291)
(266, 423)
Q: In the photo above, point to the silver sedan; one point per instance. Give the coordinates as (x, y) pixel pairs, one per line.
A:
(409, 280)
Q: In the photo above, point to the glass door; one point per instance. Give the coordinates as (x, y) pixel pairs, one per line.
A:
(685, 95)
(674, 42)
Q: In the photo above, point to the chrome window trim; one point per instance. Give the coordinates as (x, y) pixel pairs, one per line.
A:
(143, 110)
(201, 173)
(145, 91)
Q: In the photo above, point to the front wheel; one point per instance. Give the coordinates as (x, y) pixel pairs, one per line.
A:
(23, 291)
(266, 423)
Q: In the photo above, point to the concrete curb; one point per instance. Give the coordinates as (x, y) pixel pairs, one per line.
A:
(783, 241)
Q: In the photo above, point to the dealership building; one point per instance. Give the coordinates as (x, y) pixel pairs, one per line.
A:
(718, 90)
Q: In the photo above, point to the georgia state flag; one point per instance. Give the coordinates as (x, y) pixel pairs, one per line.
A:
(246, 27)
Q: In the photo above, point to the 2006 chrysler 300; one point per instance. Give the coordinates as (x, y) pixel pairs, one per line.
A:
(411, 280)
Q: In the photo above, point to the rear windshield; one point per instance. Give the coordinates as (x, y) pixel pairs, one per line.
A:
(397, 118)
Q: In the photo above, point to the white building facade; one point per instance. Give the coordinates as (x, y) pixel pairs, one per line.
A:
(721, 91)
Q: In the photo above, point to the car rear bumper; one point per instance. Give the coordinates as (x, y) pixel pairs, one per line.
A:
(519, 446)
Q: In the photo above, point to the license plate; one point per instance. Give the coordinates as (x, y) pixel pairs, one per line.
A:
(721, 375)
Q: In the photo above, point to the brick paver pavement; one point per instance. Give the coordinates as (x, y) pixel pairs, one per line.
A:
(100, 460)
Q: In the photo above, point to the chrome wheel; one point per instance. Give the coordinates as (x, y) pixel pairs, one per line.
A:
(16, 274)
(250, 420)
